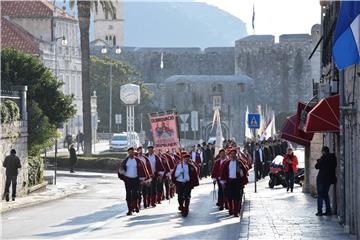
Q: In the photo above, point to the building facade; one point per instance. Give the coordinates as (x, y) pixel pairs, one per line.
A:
(110, 28)
(45, 25)
(345, 143)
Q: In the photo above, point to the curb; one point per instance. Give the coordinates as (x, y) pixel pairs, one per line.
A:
(37, 187)
(31, 204)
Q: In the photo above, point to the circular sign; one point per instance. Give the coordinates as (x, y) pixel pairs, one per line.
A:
(130, 94)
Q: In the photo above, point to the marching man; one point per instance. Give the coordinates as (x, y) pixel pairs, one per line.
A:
(216, 175)
(234, 175)
(132, 170)
(158, 171)
(146, 185)
(186, 178)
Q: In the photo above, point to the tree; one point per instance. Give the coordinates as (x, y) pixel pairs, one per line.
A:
(43, 88)
(122, 74)
(84, 12)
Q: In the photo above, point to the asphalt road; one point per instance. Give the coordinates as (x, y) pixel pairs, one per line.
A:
(101, 213)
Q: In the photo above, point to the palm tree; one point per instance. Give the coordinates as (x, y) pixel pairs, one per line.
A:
(85, 7)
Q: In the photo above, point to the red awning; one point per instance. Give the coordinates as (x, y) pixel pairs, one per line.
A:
(288, 132)
(324, 117)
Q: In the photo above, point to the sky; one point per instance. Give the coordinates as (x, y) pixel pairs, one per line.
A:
(274, 17)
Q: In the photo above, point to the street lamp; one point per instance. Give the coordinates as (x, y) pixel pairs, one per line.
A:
(104, 51)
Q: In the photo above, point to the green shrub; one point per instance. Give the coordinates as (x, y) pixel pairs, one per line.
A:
(14, 112)
(36, 171)
(4, 113)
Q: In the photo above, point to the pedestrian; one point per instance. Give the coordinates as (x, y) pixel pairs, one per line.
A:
(326, 176)
(72, 158)
(258, 159)
(157, 180)
(12, 164)
(186, 178)
(80, 141)
(290, 162)
(216, 176)
(234, 176)
(132, 171)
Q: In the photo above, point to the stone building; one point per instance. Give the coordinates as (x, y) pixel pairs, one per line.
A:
(282, 72)
(110, 28)
(202, 93)
(346, 142)
(32, 27)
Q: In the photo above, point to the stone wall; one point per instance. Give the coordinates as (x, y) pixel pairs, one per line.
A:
(176, 61)
(15, 135)
(282, 73)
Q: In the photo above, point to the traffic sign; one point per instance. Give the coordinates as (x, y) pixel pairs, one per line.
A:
(184, 117)
(184, 127)
(194, 121)
(254, 120)
(117, 118)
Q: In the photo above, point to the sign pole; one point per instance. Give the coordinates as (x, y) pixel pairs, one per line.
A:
(255, 165)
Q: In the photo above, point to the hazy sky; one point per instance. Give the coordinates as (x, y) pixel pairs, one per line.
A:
(274, 17)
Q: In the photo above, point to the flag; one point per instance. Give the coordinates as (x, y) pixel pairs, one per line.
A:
(248, 133)
(346, 47)
(253, 17)
(162, 60)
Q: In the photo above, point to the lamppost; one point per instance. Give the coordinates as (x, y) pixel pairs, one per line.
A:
(104, 51)
(53, 43)
(94, 117)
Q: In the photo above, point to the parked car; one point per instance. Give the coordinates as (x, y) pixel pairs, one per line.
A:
(120, 141)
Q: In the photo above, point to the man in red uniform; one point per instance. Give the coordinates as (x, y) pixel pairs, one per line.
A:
(145, 188)
(186, 178)
(132, 170)
(158, 171)
(233, 175)
(216, 175)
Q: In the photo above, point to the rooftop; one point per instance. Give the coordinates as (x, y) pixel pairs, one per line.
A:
(210, 78)
(14, 36)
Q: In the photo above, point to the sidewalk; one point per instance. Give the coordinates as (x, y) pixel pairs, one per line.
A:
(52, 192)
(276, 214)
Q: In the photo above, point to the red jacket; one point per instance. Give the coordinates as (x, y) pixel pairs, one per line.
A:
(216, 170)
(225, 172)
(141, 169)
(148, 166)
(293, 164)
(158, 165)
(171, 160)
(194, 179)
(165, 164)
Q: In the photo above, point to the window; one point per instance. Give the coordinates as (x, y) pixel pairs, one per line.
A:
(111, 27)
(114, 41)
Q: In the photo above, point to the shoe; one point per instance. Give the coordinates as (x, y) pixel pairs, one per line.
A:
(319, 214)
(287, 190)
(129, 213)
(221, 208)
(7, 197)
(292, 190)
(13, 199)
(327, 213)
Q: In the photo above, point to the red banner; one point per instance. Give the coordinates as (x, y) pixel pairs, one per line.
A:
(164, 131)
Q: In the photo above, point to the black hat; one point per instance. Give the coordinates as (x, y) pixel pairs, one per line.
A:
(151, 146)
(139, 147)
(130, 148)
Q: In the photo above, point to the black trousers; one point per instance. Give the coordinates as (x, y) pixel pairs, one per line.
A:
(289, 178)
(153, 186)
(160, 185)
(11, 180)
(183, 190)
(132, 187)
(234, 190)
(145, 189)
(259, 170)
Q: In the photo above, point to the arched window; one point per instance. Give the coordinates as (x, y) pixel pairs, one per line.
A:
(114, 41)
(106, 39)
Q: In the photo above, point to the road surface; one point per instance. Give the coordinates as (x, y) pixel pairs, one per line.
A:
(101, 213)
